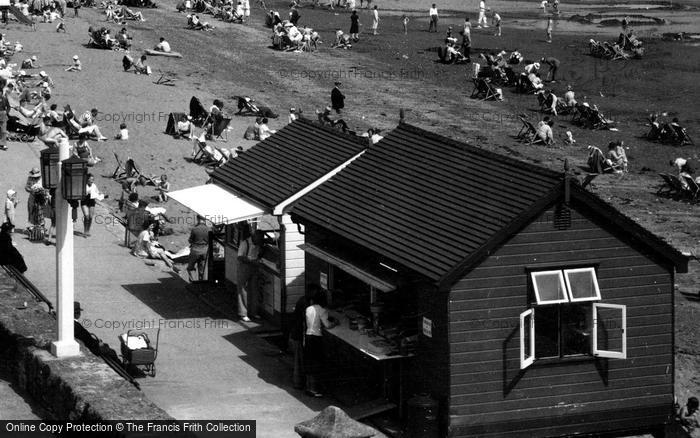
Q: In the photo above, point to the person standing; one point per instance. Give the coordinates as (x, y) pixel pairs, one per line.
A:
(4, 108)
(496, 21)
(433, 13)
(337, 98)
(248, 256)
(404, 21)
(467, 39)
(354, 26)
(314, 356)
(375, 20)
(92, 194)
(246, 11)
(482, 15)
(199, 246)
(550, 28)
(296, 334)
(32, 186)
(10, 208)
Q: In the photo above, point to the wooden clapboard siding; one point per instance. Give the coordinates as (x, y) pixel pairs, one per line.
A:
(294, 281)
(486, 383)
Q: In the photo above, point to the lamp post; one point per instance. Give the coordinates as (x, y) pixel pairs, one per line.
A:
(69, 177)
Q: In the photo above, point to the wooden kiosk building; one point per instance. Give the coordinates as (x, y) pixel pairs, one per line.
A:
(539, 310)
(257, 187)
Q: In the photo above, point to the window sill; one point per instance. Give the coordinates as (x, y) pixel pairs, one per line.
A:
(564, 360)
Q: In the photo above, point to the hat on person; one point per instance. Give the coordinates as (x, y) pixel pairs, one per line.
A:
(75, 56)
(42, 74)
(11, 193)
(35, 172)
(537, 65)
(22, 73)
(338, 84)
(328, 109)
(189, 117)
(292, 109)
(34, 58)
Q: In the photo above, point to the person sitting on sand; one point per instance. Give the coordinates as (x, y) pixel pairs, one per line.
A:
(544, 131)
(548, 101)
(569, 97)
(83, 150)
(140, 67)
(162, 46)
(325, 119)
(76, 66)
(184, 128)
(264, 131)
(535, 81)
(148, 247)
(342, 41)
(252, 132)
(688, 416)
(123, 132)
(163, 188)
(123, 39)
(617, 156)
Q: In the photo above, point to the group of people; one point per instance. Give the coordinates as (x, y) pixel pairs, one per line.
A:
(119, 14)
(287, 36)
(627, 46)
(672, 132)
(613, 161)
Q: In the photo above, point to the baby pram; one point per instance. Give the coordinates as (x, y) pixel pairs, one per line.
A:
(137, 350)
(22, 128)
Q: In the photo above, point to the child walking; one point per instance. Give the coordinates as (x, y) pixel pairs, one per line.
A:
(496, 21)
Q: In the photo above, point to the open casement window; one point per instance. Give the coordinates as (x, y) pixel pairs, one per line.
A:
(527, 338)
(609, 330)
(582, 284)
(549, 287)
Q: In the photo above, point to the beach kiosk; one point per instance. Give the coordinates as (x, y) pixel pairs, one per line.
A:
(518, 301)
(256, 188)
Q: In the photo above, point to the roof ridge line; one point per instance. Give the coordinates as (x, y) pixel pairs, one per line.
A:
(477, 150)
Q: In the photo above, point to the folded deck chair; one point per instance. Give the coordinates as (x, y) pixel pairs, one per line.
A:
(198, 112)
(173, 119)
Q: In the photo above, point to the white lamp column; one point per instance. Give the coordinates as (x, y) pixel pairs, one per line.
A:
(66, 345)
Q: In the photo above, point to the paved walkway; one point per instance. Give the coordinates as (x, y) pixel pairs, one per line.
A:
(207, 368)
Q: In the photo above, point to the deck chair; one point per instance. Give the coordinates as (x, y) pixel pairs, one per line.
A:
(483, 90)
(130, 169)
(527, 131)
(207, 155)
(618, 53)
(668, 187)
(691, 187)
(198, 112)
(682, 136)
(219, 129)
(588, 180)
(173, 119)
(597, 120)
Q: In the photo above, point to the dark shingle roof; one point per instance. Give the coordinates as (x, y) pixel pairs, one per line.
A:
(426, 201)
(287, 162)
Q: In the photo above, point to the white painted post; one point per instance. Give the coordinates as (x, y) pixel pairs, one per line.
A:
(66, 345)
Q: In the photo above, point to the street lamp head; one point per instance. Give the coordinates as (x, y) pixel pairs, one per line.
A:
(74, 179)
(49, 167)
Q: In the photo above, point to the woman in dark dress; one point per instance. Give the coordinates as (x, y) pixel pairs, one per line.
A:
(354, 26)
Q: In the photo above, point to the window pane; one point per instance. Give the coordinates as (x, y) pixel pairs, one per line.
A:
(610, 329)
(576, 329)
(547, 331)
(583, 284)
(549, 287)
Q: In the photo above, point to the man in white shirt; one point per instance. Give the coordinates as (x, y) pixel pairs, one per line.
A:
(433, 18)
(482, 15)
(163, 46)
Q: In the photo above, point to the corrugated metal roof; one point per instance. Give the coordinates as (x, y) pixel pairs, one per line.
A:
(287, 162)
(426, 201)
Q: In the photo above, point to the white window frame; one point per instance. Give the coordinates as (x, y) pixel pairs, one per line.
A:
(527, 361)
(569, 291)
(562, 284)
(607, 353)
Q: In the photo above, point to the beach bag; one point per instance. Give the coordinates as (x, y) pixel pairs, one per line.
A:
(35, 233)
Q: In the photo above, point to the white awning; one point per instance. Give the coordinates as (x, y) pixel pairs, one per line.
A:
(217, 205)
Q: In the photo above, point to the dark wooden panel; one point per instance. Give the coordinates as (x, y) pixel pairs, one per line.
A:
(545, 398)
(636, 419)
